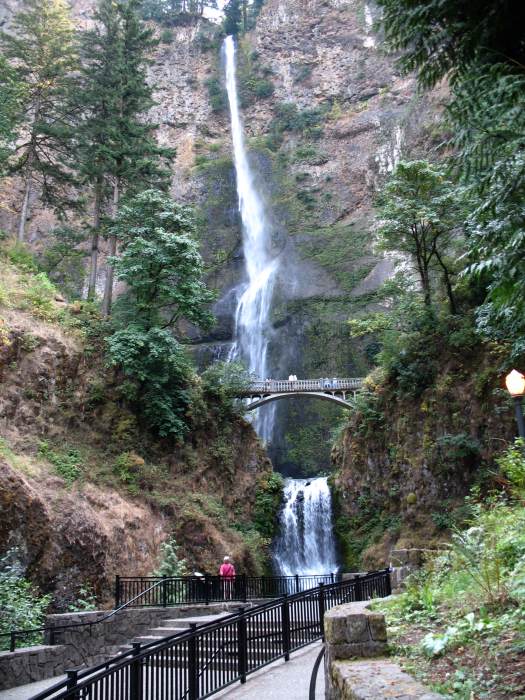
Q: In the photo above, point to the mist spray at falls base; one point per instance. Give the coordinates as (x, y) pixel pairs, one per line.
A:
(306, 544)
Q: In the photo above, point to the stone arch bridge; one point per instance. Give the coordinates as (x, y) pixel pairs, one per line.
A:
(260, 393)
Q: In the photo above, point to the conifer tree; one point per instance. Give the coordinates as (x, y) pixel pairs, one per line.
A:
(11, 94)
(233, 17)
(118, 151)
(41, 51)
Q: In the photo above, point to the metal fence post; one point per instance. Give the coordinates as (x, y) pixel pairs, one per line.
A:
(12, 641)
(72, 681)
(242, 656)
(135, 675)
(207, 585)
(117, 591)
(193, 671)
(285, 615)
(164, 592)
(321, 609)
(358, 587)
(332, 577)
(297, 583)
(243, 588)
(388, 582)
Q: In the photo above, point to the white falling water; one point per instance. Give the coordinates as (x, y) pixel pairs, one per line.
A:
(306, 543)
(254, 299)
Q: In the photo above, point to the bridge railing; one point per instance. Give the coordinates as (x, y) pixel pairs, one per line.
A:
(199, 662)
(276, 386)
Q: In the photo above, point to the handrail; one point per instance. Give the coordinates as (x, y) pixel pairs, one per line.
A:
(313, 677)
(169, 667)
(158, 582)
(272, 386)
(52, 629)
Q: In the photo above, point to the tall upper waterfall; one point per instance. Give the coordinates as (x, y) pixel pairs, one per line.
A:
(254, 299)
(306, 543)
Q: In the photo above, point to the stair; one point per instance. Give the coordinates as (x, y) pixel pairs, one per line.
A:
(191, 614)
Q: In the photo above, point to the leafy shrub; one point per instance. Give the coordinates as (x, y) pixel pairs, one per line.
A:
(160, 371)
(128, 466)
(512, 466)
(67, 464)
(21, 606)
(166, 36)
(453, 450)
(21, 256)
(39, 297)
(222, 383)
(268, 500)
(63, 259)
(217, 94)
(171, 564)
(86, 600)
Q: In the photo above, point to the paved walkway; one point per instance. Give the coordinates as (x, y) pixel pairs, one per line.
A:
(281, 680)
(22, 692)
(278, 681)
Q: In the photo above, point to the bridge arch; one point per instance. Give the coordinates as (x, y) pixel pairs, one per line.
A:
(256, 402)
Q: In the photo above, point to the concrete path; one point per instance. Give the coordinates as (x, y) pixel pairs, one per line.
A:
(23, 692)
(278, 681)
(281, 680)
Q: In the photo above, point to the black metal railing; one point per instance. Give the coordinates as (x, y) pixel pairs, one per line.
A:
(197, 663)
(51, 634)
(150, 591)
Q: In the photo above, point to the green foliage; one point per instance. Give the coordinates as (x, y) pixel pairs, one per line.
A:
(419, 212)
(307, 122)
(21, 606)
(11, 99)
(86, 600)
(445, 37)
(20, 255)
(512, 466)
(67, 463)
(159, 371)
(233, 17)
(222, 384)
(217, 94)
(268, 501)
(41, 52)
(160, 263)
(63, 260)
(454, 450)
(171, 564)
(39, 297)
(162, 268)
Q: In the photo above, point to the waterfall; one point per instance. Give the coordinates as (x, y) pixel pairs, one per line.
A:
(306, 544)
(254, 297)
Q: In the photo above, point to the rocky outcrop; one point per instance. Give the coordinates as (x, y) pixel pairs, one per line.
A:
(405, 463)
(352, 117)
(85, 493)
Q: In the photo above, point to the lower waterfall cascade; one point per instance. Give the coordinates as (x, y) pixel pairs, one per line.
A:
(306, 543)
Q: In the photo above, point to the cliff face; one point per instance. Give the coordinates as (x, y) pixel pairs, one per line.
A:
(85, 493)
(326, 117)
(403, 465)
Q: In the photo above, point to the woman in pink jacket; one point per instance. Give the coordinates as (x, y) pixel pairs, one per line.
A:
(227, 574)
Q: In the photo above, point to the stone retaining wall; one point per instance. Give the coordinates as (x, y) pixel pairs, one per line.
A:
(352, 633)
(84, 646)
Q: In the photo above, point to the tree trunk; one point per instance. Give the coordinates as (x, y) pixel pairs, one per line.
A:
(92, 286)
(244, 15)
(108, 289)
(25, 208)
(448, 285)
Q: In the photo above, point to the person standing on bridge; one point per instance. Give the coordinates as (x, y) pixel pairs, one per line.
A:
(227, 574)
